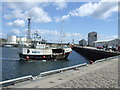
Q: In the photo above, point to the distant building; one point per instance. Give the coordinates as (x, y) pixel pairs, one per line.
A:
(21, 39)
(82, 42)
(11, 39)
(92, 36)
(112, 42)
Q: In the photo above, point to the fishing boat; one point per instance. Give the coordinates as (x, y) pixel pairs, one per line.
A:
(39, 50)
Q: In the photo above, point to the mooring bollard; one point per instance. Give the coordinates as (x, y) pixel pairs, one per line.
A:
(91, 62)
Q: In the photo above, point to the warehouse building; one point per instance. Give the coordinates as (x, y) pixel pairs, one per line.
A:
(82, 42)
(112, 42)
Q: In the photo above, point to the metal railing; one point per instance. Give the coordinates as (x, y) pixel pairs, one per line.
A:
(30, 77)
(61, 70)
(16, 80)
(105, 59)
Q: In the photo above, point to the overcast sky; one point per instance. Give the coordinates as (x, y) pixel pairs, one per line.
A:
(75, 19)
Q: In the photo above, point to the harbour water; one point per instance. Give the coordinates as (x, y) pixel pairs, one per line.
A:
(12, 67)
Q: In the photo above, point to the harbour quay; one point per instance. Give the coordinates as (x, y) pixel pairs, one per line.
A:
(93, 54)
(61, 44)
(100, 74)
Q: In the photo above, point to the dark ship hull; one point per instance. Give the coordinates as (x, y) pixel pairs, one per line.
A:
(44, 57)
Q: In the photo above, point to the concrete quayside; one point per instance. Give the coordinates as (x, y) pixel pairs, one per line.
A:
(101, 74)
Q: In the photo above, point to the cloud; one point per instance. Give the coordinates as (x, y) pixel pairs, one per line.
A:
(17, 23)
(25, 10)
(38, 15)
(105, 10)
(61, 4)
(102, 9)
(50, 35)
(47, 32)
(55, 35)
(22, 5)
(65, 17)
(15, 14)
(10, 24)
(15, 31)
(57, 19)
(105, 37)
(84, 10)
(22, 10)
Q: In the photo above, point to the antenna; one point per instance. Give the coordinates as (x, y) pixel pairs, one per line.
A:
(73, 41)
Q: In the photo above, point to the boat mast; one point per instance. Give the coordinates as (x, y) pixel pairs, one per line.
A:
(28, 31)
(61, 32)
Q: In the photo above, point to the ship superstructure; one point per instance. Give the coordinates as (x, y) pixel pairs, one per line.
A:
(38, 50)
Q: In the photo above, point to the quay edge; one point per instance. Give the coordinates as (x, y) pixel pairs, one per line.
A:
(94, 54)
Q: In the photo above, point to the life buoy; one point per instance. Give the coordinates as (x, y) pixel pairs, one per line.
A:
(44, 57)
(27, 57)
